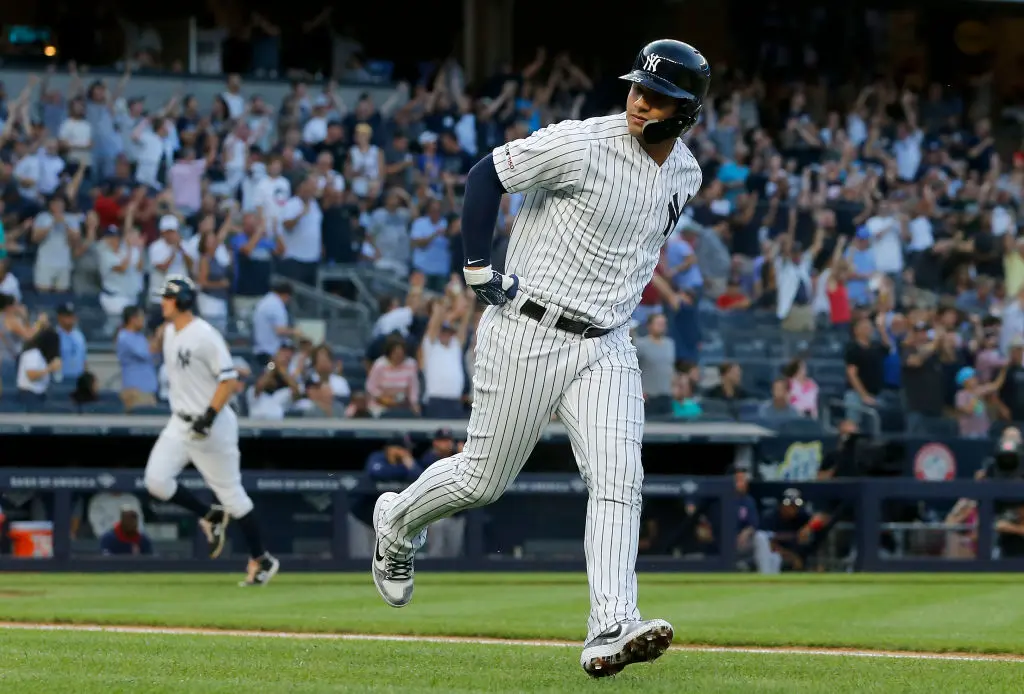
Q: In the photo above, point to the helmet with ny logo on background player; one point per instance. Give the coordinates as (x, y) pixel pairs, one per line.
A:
(182, 290)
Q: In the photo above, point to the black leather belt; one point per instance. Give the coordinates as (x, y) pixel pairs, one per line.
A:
(531, 309)
(187, 418)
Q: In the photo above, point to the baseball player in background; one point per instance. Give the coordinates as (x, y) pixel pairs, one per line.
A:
(201, 379)
(602, 196)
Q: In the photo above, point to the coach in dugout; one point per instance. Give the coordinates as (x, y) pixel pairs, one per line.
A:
(447, 535)
(126, 537)
(392, 464)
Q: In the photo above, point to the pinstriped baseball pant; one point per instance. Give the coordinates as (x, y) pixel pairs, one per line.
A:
(525, 371)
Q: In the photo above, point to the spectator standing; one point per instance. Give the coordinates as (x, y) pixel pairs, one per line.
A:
(971, 408)
(365, 167)
(272, 193)
(137, 356)
(865, 361)
(214, 282)
(121, 261)
(185, 177)
(38, 366)
(73, 348)
(428, 237)
(393, 383)
(444, 377)
(75, 135)
(656, 354)
(58, 235)
(923, 378)
(387, 237)
(1011, 395)
(166, 257)
(270, 322)
(15, 330)
(302, 220)
(255, 248)
(793, 277)
(861, 259)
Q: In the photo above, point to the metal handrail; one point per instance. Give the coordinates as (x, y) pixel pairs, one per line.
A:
(326, 304)
(871, 412)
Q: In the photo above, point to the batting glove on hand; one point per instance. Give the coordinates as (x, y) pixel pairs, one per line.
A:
(201, 426)
(492, 287)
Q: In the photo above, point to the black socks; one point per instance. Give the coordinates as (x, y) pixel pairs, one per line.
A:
(251, 531)
(186, 499)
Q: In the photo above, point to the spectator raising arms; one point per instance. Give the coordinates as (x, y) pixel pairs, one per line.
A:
(440, 357)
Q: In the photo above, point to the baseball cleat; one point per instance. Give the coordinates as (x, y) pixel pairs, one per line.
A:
(215, 526)
(392, 576)
(625, 644)
(261, 570)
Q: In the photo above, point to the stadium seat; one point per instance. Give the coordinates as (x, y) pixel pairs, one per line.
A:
(151, 410)
(798, 427)
(102, 407)
(10, 406)
(717, 408)
(59, 406)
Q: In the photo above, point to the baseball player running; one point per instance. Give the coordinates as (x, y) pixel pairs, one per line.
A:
(602, 196)
(201, 379)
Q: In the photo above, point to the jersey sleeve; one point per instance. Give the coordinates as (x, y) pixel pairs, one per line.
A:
(551, 158)
(219, 359)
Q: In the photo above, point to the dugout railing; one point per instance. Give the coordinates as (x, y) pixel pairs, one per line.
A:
(862, 500)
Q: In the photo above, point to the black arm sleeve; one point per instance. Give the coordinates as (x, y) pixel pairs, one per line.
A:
(480, 212)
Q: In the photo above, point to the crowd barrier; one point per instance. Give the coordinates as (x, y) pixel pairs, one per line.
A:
(537, 505)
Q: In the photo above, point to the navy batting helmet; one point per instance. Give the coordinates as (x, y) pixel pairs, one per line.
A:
(182, 290)
(678, 70)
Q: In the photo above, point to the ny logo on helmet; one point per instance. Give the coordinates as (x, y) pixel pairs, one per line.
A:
(651, 62)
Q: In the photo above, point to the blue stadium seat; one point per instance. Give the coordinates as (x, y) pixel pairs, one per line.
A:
(799, 427)
(747, 348)
(10, 406)
(748, 409)
(102, 407)
(52, 406)
(151, 410)
(22, 270)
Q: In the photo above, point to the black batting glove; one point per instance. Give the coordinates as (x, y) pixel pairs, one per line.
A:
(491, 287)
(201, 426)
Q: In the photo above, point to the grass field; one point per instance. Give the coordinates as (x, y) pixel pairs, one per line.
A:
(937, 614)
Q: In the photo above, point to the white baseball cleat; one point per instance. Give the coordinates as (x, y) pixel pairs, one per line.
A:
(625, 644)
(392, 576)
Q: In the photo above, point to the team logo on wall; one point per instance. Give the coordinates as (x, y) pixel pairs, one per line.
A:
(935, 462)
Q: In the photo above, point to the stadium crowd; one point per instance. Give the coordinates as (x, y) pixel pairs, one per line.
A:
(852, 248)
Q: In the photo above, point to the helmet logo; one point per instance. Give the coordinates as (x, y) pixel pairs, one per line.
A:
(651, 62)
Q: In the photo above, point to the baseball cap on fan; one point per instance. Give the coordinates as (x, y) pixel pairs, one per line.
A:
(168, 223)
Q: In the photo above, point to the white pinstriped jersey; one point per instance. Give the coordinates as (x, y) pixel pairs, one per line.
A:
(197, 361)
(597, 211)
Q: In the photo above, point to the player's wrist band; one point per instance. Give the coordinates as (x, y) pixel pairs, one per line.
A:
(211, 414)
(478, 275)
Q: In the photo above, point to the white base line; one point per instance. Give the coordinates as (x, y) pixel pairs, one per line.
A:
(184, 631)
